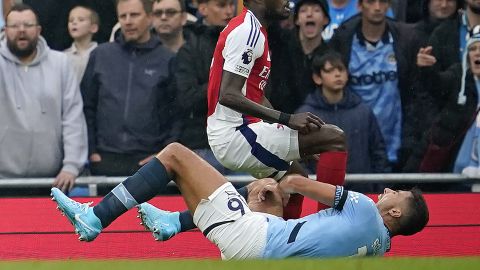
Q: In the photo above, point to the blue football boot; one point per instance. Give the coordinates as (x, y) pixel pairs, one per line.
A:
(163, 224)
(81, 215)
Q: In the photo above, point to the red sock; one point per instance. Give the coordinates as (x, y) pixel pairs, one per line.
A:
(331, 169)
(294, 207)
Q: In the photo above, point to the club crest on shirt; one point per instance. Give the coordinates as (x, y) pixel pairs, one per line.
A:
(247, 56)
(391, 59)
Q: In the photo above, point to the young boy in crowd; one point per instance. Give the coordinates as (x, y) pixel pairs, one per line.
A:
(83, 23)
(339, 106)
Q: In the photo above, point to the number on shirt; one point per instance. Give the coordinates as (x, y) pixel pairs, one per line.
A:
(235, 204)
(294, 233)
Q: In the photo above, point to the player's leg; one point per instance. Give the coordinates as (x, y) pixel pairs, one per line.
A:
(142, 186)
(331, 166)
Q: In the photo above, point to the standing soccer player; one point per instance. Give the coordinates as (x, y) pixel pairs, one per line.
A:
(237, 105)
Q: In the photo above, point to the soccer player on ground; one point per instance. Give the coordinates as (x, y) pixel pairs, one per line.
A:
(355, 225)
(238, 137)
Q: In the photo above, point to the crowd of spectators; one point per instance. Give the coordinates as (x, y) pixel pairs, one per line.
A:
(400, 77)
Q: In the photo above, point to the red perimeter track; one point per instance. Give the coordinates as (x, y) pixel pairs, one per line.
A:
(31, 228)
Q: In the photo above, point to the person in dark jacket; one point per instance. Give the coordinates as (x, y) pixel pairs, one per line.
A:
(129, 113)
(380, 57)
(339, 106)
(452, 142)
(435, 13)
(191, 75)
(291, 62)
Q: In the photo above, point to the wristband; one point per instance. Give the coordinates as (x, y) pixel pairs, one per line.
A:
(284, 118)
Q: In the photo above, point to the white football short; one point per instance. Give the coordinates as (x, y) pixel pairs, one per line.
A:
(261, 149)
(225, 219)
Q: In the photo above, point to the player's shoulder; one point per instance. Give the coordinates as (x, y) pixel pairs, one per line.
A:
(244, 25)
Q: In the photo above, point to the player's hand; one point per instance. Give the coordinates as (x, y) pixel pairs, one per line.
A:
(274, 189)
(64, 181)
(305, 122)
(145, 160)
(425, 57)
(95, 157)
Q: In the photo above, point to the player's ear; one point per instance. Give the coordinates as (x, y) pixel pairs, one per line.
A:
(395, 212)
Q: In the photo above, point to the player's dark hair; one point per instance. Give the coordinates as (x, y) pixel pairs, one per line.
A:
(20, 8)
(334, 58)
(147, 5)
(416, 217)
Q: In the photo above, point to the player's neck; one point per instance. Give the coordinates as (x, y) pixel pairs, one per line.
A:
(259, 13)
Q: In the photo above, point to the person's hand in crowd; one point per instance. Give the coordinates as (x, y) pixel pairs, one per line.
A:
(305, 122)
(145, 160)
(95, 157)
(64, 181)
(425, 57)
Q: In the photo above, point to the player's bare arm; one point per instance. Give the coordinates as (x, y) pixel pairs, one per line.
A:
(231, 96)
(318, 191)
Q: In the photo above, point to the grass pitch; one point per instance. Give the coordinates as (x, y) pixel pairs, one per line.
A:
(435, 263)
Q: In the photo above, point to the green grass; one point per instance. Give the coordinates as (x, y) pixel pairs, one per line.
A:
(293, 264)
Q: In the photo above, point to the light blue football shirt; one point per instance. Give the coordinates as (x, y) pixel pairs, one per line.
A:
(353, 227)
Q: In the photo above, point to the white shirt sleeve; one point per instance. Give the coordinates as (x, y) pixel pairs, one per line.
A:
(243, 46)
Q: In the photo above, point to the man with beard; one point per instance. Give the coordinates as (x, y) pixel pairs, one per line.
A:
(43, 128)
(379, 54)
(128, 107)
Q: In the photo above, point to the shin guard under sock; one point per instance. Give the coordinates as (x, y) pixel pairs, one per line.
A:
(151, 179)
(331, 168)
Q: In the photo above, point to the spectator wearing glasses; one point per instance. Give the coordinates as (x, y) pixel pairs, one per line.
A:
(169, 18)
(128, 107)
(42, 127)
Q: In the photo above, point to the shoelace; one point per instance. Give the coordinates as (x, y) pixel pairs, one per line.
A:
(82, 206)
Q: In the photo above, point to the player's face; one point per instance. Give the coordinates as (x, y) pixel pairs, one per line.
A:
(474, 58)
(22, 32)
(333, 78)
(311, 20)
(80, 23)
(442, 9)
(168, 17)
(393, 199)
(374, 11)
(134, 21)
(217, 12)
(277, 9)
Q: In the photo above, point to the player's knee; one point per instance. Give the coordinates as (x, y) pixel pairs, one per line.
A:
(171, 154)
(337, 137)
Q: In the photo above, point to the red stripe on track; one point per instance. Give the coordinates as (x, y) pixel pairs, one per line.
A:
(449, 233)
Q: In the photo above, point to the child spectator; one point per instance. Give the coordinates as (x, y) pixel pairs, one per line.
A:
(83, 23)
(339, 106)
